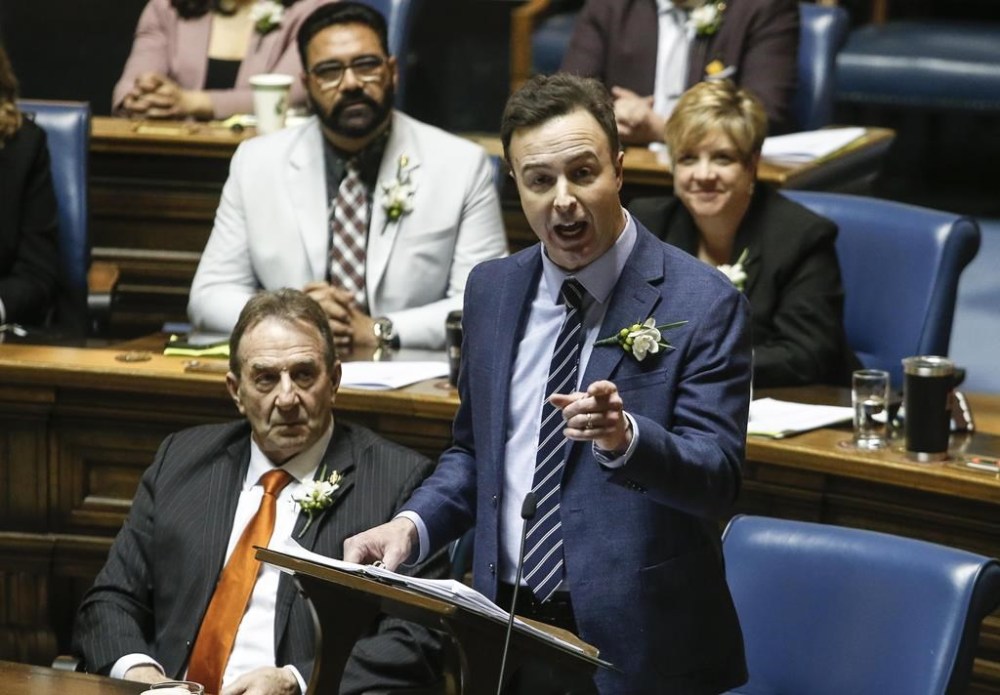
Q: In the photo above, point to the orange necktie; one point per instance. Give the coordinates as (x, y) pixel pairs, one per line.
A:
(225, 612)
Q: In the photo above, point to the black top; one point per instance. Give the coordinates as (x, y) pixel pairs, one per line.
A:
(221, 73)
(793, 284)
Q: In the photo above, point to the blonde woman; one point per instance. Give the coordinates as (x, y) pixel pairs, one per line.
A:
(195, 58)
(781, 255)
(28, 213)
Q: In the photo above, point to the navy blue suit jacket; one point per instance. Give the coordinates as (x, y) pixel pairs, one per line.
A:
(642, 552)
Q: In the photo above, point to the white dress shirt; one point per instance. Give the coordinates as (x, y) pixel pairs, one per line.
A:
(254, 645)
(673, 48)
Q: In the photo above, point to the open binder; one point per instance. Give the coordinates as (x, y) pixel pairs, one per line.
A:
(349, 597)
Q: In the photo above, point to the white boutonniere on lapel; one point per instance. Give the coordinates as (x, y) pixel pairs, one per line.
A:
(706, 20)
(641, 339)
(736, 273)
(318, 495)
(398, 192)
(267, 15)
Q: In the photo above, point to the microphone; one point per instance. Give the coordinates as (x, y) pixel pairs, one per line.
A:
(528, 508)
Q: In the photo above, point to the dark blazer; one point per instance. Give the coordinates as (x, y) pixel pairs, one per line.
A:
(151, 595)
(793, 284)
(642, 551)
(615, 41)
(29, 256)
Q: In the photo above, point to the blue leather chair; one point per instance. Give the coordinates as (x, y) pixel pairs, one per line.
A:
(67, 129)
(399, 17)
(827, 610)
(822, 31)
(933, 64)
(900, 266)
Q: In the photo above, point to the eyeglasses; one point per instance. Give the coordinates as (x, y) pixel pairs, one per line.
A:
(330, 75)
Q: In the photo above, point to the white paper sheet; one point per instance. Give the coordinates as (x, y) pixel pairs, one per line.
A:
(380, 376)
(773, 418)
(809, 145)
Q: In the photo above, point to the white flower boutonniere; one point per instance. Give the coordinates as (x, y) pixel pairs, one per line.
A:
(317, 495)
(735, 272)
(399, 192)
(707, 19)
(641, 339)
(267, 15)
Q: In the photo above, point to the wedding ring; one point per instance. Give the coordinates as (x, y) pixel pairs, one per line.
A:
(587, 426)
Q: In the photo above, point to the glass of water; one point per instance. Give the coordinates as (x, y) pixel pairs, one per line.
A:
(870, 396)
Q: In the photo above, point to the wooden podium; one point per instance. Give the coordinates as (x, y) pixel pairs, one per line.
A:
(351, 602)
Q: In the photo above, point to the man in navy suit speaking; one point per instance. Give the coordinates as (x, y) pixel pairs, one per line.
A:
(608, 374)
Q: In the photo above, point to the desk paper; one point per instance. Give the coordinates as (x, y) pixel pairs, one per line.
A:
(381, 376)
(777, 419)
(810, 145)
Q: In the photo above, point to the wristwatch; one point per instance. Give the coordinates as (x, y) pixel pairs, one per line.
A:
(385, 334)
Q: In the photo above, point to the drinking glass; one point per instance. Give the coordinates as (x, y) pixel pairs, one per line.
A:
(870, 397)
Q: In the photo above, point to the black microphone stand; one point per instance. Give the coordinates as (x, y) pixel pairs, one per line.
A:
(528, 508)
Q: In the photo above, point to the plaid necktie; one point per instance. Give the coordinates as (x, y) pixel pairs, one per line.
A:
(348, 234)
(543, 563)
(232, 593)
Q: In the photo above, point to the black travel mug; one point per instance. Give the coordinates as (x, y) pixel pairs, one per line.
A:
(927, 384)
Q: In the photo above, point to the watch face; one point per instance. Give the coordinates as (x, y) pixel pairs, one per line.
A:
(383, 329)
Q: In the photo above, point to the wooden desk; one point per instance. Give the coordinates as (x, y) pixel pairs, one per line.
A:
(22, 679)
(78, 427)
(155, 187)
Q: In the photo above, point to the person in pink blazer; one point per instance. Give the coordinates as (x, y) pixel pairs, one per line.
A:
(195, 58)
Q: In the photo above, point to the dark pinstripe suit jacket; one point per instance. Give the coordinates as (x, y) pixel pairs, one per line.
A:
(151, 595)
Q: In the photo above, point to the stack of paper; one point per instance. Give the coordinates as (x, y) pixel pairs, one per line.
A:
(777, 419)
(389, 375)
(446, 589)
(810, 145)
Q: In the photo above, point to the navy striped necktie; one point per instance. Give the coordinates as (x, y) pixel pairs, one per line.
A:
(543, 562)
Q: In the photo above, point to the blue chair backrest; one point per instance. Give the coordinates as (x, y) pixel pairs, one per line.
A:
(399, 18)
(67, 129)
(822, 32)
(900, 266)
(827, 610)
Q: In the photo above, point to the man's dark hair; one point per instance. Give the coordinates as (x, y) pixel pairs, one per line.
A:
(544, 97)
(341, 13)
(291, 306)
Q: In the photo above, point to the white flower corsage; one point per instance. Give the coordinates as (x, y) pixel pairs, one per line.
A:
(399, 192)
(735, 272)
(317, 495)
(707, 19)
(641, 339)
(267, 15)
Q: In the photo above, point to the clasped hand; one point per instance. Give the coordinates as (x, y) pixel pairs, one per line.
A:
(637, 123)
(350, 325)
(156, 96)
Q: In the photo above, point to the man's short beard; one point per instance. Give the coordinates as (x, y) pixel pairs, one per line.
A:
(380, 113)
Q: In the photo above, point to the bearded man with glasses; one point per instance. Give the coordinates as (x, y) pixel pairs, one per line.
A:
(375, 215)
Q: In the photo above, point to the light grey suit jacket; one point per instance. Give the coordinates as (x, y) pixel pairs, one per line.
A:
(271, 229)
